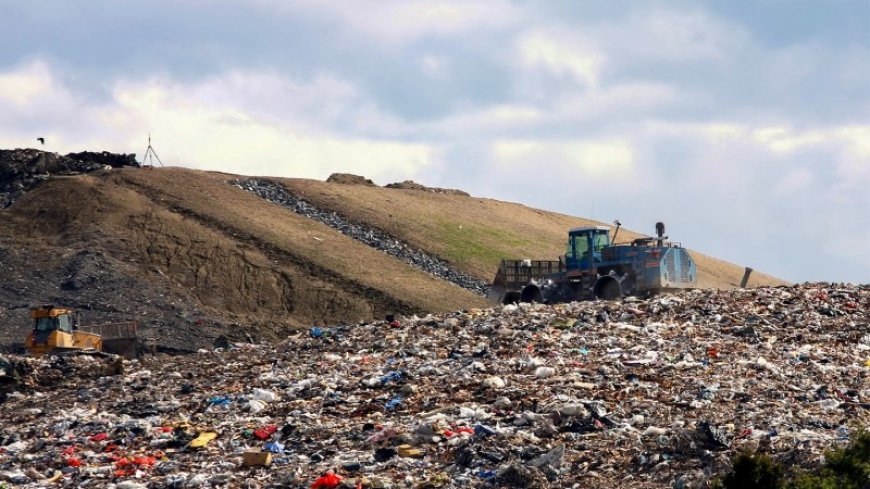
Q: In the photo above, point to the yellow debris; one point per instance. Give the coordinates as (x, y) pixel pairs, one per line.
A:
(203, 439)
(409, 451)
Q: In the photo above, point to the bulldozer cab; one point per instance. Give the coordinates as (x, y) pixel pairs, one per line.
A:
(48, 323)
(585, 246)
(47, 319)
(55, 329)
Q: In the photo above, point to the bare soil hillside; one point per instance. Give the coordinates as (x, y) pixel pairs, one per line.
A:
(195, 259)
(475, 233)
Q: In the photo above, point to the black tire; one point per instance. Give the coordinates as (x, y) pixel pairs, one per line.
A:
(532, 293)
(511, 297)
(608, 289)
(628, 285)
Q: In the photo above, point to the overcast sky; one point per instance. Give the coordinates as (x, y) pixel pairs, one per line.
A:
(744, 125)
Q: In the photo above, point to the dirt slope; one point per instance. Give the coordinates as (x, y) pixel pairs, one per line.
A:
(193, 257)
(475, 233)
(190, 243)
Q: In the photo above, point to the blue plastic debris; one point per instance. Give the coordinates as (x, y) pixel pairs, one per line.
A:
(219, 401)
(316, 332)
(842, 433)
(391, 376)
(483, 430)
(486, 474)
(275, 447)
(393, 403)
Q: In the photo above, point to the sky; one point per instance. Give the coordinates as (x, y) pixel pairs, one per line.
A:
(743, 125)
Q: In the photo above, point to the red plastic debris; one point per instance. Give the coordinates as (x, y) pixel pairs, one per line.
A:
(99, 437)
(458, 431)
(73, 462)
(327, 481)
(265, 432)
(149, 461)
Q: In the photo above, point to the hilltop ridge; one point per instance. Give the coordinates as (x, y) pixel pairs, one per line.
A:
(195, 258)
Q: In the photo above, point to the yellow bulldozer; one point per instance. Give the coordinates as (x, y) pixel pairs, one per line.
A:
(56, 330)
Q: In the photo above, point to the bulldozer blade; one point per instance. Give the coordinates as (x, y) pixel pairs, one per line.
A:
(126, 347)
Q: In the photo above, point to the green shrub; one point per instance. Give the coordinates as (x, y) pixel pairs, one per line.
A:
(844, 468)
(753, 472)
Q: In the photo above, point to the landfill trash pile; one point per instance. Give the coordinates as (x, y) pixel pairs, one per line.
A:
(412, 185)
(350, 179)
(375, 238)
(21, 170)
(660, 392)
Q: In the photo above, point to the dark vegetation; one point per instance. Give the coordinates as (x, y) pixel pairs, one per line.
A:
(844, 468)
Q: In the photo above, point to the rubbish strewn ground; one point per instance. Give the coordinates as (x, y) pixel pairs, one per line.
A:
(641, 393)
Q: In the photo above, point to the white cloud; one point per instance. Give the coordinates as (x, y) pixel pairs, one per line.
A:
(793, 183)
(319, 100)
(23, 86)
(629, 101)
(620, 100)
(433, 65)
(848, 146)
(663, 35)
(402, 21)
(485, 121)
(594, 159)
(205, 136)
(561, 53)
(782, 140)
(31, 92)
(245, 123)
(612, 159)
(857, 139)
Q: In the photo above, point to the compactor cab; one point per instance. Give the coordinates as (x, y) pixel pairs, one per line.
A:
(585, 246)
(55, 328)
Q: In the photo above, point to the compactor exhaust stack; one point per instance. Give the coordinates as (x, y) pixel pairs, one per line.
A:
(616, 232)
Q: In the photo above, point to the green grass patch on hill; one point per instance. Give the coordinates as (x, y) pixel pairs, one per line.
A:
(478, 244)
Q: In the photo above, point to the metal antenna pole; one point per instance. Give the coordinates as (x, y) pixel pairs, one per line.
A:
(150, 154)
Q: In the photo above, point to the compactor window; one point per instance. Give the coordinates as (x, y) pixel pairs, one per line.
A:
(581, 245)
(601, 240)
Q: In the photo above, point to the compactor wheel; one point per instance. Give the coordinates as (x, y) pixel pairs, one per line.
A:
(608, 289)
(532, 293)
